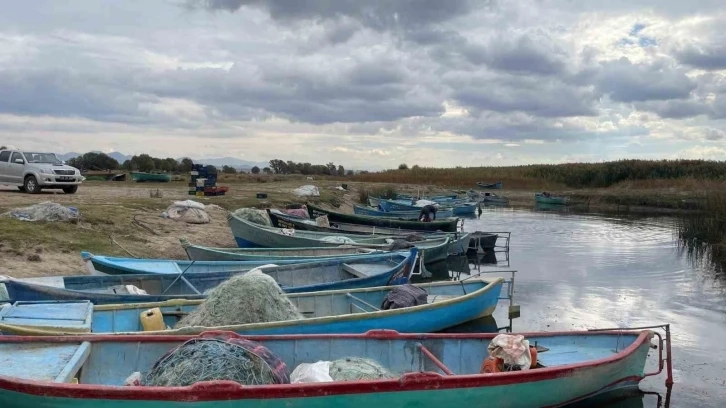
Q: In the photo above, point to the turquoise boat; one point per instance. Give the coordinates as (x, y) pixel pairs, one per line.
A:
(549, 199)
(335, 311)
(272, 255)
(493, 199)
(439, 224)
(140, 177)
(498, 185)
(429, 370)
(107, 265)
(393, 269)
(250, 235)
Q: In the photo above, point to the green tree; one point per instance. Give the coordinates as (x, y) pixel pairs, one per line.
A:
(143, 162)
(185, 166)
(341, 170)
(403, 166)
(255, 170)
(350, 172)
(228, 170)
(267, 170)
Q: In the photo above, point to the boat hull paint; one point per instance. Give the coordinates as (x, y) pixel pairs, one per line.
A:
(551, 200)
(444, 225)
(22, 291)
(533, 388)
(405, 215)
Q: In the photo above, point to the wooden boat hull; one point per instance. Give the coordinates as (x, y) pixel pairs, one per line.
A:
(150, 177)
(397, 206)
(82, 287)
(122, 266)
(440, 224)
(250, 235)
(290, 221)
(101, 364)
(498, 185)
(550, 200)
(338, 311)
(272, 255)
(406, 215)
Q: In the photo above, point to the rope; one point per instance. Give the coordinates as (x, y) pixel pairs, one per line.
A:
(120, 246)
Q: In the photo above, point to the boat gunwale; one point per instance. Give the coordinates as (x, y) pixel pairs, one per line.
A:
(490, 284)
(228, 390)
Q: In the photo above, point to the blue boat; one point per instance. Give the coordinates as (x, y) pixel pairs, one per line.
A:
(391, 269)
(405, 215)
(394, 206)
(335, 311)
(428, 371)
(107, 265)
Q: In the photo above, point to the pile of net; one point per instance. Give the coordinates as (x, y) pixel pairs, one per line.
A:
(250, 298)
(404, 296)
(344, 369)
(216, 358)
(188, 211)
(253, 215)
(45, 211)
(307, 190)
(340, 239)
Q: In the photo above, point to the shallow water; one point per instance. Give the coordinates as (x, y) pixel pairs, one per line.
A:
(582, 271)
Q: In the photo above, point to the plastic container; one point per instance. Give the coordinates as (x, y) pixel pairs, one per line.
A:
(152, 320)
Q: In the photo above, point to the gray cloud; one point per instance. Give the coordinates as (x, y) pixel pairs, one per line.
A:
(628, 82)
(710, 57)
(675, 109)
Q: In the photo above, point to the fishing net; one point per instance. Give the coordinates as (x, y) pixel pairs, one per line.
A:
(253, 215)
(398, 244)
(208, 359)
(250, 298)
(45, 211)
(356, 368)
(188, 211)
(414, 238)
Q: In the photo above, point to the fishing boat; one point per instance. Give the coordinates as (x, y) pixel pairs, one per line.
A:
(283, 220)
(140, 177)
(545, 198)
(462, 208)
(250, 235)
(394, 269)
(334, 311)
(439, 224)
(98, 264)
(498, 185)
(272, 255)
(411, 215)
(491, 198)
(429, 370)
(373, 202)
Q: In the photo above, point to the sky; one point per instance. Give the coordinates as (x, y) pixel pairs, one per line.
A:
(367, 84)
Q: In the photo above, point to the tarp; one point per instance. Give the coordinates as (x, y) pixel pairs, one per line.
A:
(307, 190)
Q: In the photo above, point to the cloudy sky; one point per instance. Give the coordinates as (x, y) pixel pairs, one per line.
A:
(367, 83)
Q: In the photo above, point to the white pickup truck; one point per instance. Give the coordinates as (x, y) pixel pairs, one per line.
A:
(32, 172)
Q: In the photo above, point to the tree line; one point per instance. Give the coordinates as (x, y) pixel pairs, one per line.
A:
(142, 162)
(278, 166)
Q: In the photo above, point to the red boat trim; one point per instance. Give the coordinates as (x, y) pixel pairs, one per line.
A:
(228, 390)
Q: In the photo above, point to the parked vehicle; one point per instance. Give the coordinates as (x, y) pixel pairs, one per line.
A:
(31, 172)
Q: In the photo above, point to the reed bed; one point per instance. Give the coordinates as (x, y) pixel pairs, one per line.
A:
(573, 175)
(703, 235)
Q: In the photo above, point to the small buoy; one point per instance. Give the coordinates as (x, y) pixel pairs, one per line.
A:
(491, 365)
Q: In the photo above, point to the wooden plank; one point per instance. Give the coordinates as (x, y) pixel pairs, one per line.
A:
(35, 361)
(74, 365)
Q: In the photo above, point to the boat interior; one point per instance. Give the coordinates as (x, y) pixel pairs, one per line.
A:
(109, 361)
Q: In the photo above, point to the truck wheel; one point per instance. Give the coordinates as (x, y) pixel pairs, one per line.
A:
(31, 185)
(70, 190)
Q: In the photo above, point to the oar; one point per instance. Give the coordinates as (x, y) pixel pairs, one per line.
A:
(183, 280)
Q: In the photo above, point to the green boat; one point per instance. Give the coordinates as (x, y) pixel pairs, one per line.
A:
(140, 177)
(550, 199)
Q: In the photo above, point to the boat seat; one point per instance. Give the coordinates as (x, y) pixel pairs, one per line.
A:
(57, 316)
(353, 271)
(59, 363)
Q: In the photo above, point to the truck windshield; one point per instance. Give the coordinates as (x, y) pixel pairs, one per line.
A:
(41, 158)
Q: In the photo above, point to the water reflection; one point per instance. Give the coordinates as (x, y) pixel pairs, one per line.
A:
(580, 271)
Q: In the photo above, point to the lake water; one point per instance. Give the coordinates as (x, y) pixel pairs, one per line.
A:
(582, 271)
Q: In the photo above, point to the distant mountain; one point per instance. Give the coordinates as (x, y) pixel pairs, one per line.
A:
(238, 164)
(68, 156)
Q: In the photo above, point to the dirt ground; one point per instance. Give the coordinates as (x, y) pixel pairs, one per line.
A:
(121, 219)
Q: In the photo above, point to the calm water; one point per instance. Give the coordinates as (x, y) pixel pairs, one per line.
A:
(578, 271)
